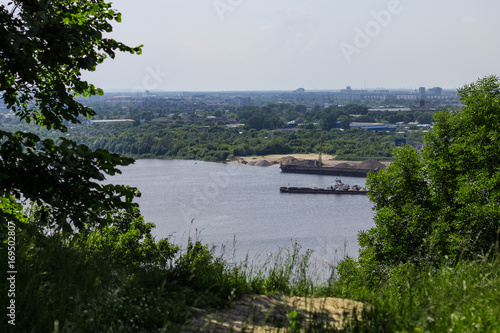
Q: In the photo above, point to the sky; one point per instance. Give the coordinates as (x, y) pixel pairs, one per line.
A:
(242, 45)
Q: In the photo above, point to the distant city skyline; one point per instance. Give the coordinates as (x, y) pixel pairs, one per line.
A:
(407, 90)
(411, 99)
(279, 45)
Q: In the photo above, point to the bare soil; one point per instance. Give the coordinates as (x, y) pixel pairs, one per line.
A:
(328, 160)
(263, 313)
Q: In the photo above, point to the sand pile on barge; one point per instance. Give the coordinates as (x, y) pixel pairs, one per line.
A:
(262, 163)
(343, 165)
(371, 164)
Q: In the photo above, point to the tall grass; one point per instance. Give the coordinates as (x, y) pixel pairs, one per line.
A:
(60, 288)
(287, 271)
(461, 297)
(65, 287)
(81, 284)
(451, 298)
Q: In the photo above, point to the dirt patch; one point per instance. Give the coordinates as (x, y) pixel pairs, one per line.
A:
(309, 159)
(263, 163)
(285, 159)
(264, 313)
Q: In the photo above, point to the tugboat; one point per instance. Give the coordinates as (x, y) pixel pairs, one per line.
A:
(338, 188)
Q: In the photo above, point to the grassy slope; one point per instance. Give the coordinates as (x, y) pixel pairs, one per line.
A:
(66, 287)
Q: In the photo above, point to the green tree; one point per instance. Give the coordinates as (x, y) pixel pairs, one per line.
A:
(442, 202)
(464, 170)
(44, 47)
(255, 122)
(328, 121)
(345, 122)
(403, 208)
(301, 109)
(356, 109)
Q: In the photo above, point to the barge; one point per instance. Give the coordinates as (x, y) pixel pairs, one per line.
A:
(330, 171)
(338, 188)
(343, 169)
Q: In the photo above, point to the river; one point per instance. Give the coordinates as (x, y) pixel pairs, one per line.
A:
(239, 209)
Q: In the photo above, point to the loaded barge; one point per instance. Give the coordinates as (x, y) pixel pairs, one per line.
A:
(322, 170)
(338, 188)
(343, 169)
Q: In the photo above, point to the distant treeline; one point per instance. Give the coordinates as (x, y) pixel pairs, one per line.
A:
(218, 143)
(271, 116)
(265, 131)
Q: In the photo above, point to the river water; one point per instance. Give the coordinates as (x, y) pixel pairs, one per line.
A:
(227, 204)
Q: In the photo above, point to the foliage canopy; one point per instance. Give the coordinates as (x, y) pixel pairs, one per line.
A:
(44, 47)
(442, 202)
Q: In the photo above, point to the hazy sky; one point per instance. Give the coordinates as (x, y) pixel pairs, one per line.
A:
(224, 45)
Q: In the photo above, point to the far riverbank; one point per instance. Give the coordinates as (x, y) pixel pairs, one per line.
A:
(276, 159)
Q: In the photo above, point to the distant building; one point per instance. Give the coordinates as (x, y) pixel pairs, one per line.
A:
(243, 101)
(300, 91)
(436, 91)
(350, 94)
(198, 98)
(389, 109)
(349, 91)
(374, 126)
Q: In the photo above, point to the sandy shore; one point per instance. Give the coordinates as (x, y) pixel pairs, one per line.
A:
(262, 313)
(276, 159)
(268, 160)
